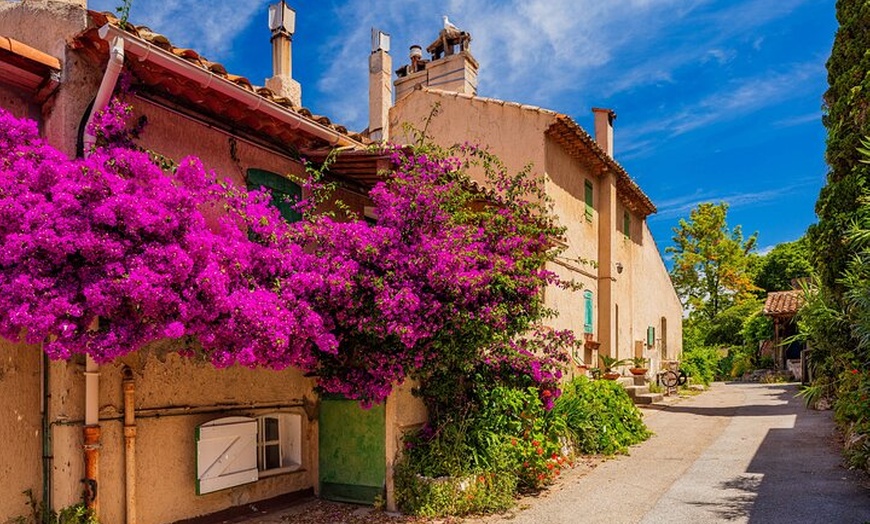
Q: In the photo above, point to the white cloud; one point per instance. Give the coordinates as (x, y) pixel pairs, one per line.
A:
(683, 204)
(734, 100)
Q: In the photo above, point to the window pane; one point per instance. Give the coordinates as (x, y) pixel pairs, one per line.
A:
(270, 429)
(272, 454)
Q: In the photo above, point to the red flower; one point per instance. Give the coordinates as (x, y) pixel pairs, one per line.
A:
(854, 371)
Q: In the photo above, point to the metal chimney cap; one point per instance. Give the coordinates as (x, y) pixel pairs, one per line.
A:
(380, 41)
(282, 18)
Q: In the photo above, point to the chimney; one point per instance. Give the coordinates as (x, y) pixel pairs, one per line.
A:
(380, 86)
(282, 23)
(604, 129)
(451, 68)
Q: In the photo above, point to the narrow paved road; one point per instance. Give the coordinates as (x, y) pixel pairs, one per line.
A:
(740, 453)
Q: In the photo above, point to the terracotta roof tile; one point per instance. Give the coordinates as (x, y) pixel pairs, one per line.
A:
(783, 303)
(192, 56)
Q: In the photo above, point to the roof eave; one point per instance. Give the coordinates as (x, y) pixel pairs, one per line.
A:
(148, 52)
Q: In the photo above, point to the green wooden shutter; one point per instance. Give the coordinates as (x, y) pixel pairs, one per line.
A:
(650, 336)
(285, 193)
(626, 224)
(589, 200)
(587, 317)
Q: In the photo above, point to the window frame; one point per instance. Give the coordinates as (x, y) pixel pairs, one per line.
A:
(589, 199)
(289, 432)
(588, 312)
(285, 193)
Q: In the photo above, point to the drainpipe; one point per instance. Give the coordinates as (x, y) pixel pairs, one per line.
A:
(92, 369)
(92, 433)
(107, 88)
(130, 443)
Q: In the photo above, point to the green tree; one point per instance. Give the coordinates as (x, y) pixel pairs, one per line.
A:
(847, 119)
(784, 263)
(711, 261)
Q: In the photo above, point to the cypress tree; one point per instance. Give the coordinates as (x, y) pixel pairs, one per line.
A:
(847, 119)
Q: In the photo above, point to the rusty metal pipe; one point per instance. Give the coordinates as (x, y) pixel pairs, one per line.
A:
(92, 467)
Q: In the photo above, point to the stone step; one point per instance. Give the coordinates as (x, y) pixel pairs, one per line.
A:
(635, 391)
(648, 398)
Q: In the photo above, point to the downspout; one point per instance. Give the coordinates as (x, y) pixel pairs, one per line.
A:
(92, 369)
(130, 443)
(107, 87)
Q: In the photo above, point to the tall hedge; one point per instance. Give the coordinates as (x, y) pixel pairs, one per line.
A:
(847, 119)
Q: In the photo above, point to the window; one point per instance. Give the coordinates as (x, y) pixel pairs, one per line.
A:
(225, 454)
(285, 193)
(588, 324)
(626, 224)
(589, 201)
(279, 442)
(664, 335)
(650, 336)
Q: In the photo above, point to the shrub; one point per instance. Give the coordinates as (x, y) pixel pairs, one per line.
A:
(701, 363)
(852, 413)
(433, 497)
(600, 417)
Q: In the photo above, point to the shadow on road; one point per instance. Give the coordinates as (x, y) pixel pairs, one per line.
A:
(796, 473)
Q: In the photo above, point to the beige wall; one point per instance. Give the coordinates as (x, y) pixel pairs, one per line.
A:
(18, 103)
(641, 295)
(173, 396)
(21, 427)
(507, 129)
(404, 412)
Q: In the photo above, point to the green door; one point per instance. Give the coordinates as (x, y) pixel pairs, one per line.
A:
(352, 451)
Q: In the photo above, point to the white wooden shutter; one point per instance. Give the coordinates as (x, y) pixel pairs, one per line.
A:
(226, 453)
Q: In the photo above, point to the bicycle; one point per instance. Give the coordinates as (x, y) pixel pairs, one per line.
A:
(671, 379)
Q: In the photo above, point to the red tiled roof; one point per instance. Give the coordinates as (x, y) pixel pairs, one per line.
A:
(187, 91)
(783, 303)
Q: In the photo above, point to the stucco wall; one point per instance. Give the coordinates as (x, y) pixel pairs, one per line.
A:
(404, 412)
(644, 295)
(21, 427)
(515, 134)
(173, 396)
(17, 103)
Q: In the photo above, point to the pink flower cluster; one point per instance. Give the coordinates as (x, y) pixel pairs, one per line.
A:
(105, 254)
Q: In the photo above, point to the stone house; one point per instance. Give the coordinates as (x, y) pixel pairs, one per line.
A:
(628, 307)
(154, 437)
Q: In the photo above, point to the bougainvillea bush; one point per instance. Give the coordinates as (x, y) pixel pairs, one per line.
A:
(105, 254)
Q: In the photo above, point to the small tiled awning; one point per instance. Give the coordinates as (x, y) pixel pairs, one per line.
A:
(24, 67)
(783, 303)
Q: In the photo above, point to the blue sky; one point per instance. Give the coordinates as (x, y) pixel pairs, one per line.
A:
(717, 100)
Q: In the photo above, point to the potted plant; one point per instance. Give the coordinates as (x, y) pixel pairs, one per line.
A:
(638, 366)
(607, 364)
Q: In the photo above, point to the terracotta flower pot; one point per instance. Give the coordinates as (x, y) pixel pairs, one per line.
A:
(638, 371)
(611, 375)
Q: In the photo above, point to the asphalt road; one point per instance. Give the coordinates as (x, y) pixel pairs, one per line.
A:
(739, 453)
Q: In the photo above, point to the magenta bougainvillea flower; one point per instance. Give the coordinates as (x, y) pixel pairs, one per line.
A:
(103, 255)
